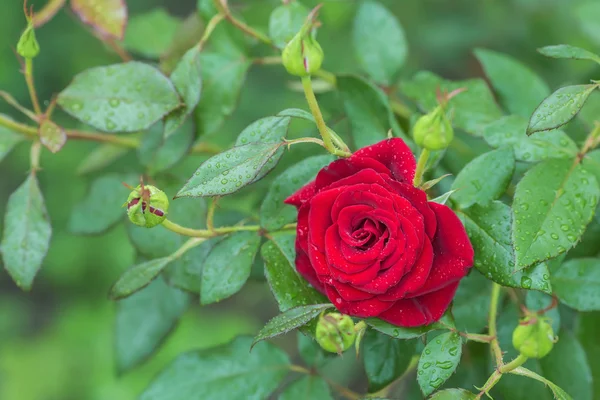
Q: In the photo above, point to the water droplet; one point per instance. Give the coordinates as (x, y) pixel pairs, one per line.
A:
(526, 282)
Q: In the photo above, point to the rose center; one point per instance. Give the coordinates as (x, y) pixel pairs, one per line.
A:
(367, 232)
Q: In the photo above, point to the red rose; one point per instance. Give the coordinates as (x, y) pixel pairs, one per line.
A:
(370, 241)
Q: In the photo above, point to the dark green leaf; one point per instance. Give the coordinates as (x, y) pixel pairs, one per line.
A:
(8, 140)
(151, 33)
(158, 154)
(285, 21)
(103, 205)
(290, 320)
(385, 358)
(399, 332)
(453, 394)
(472, 110)
(310, 387)
(102, 156)
(379, 42)
(484, 179)
(536, 301)
(553, 204)
(519, 88)
(568, 51)
(310, 351)
(138, 277)
(226, 372)
(489, 229)
(588, 332)
(187, 80)
(559, 394)
(227, 267)
(27, 232)
(471, 303)
(186, 273)
(52, 136)
(559, 108)
(438, 361)
(577, 284)
(108, 18)
(368, 111)
(289, 289)
(510, 131)
(273, 212)
(120, 98)
(144, 320)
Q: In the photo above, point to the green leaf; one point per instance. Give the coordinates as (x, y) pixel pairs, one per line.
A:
(138, 277)
(489, 229)
(103, 205)
(119, 98)
(52, 136)
(379, 42)
(108, 18)
(471, 303)
(588, 15)
(151, 33)
(577, 284)
(553, 204)
(307, 388)
(536, 301)
(186, 274)
(187, 80)
(297, 113)
(385, 358)
(442, 199)
(8, 140)
(472, 110)
(273, 212)
(368, 111)
(222, 79)
(591, 163)
(588, 331)
(144, 320)
(453, 394)
(438, 361)
(227, 267)
(101, 157)
(559, 108)
(289, 289)
(258, 149)
(158, 153)
(559, 394)
(485, 178)
(225, 372)
(290, 320)
(27, 233)
(568, 51)
(519, 88)
(510, 131)
(310, 351)
(285, 21)
(399, 332)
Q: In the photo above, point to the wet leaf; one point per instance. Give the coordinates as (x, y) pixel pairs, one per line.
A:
(385, 359)
(186, 272)
(107, 17)
(568, 51)
(453, 394)
(438, 361)
(158, 153)
(577, 284)
(151, 33)
(52, 136)
(138, 277)
(471, 303)
(399, 332)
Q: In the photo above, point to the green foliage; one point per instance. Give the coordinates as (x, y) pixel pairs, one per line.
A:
(438, 361)
(308, 387)
(397, 332)
(385, 358)
(568, 51)
(151, 33)
(576, 283)
(285, 21)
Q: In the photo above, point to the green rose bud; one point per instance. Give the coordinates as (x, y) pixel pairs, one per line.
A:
(335, 332)
(28, 47)
(433, 131)
(147, 206)
(303, 55)
(534, 337)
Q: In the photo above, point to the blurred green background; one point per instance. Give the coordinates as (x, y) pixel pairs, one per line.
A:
(56, 342)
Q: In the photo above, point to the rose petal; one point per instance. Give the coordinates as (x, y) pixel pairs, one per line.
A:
(422, 310)
(362, 308)
(302, 195)
(344, 168)
(395, 155)
(348, 292)
(305, 268)
(319, 216)
(355, 261)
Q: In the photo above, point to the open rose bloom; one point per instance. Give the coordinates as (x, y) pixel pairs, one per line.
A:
(372, 243)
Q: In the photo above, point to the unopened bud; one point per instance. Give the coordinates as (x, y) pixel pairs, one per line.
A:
(433, 131)
(335, 332)
(28, 46)
(303, 55)
(534, 337)
(147, 206)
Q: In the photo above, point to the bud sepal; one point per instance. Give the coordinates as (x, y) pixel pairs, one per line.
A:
(147, 206)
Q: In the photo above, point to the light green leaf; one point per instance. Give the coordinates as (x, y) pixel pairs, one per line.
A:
(52, 136)
(559, 108)
(8, 140)
(307, 388)
(297, 113)
(227, 267)
(379, 42)
(289, 289)
(289, 320)
(368, 111)
(103, 205)
(273, 212)
(438, 361)
(144, 320)
(577, 284)
(158, 153)
(453, 394)
(151, 33)
(119, 98)
(385, 358)
(138, 277)
(225, 372)
(285, 21)
(187, 80)
(398, 332)
(442, 199)
(472, 110)
(100, 157)
(591, 163)
(108, 18)
(519, 88)
(553, 204)
(489, 229)
(568, 51)
(27, 232)
(559, 394)
(510, 131)
(485, 178)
